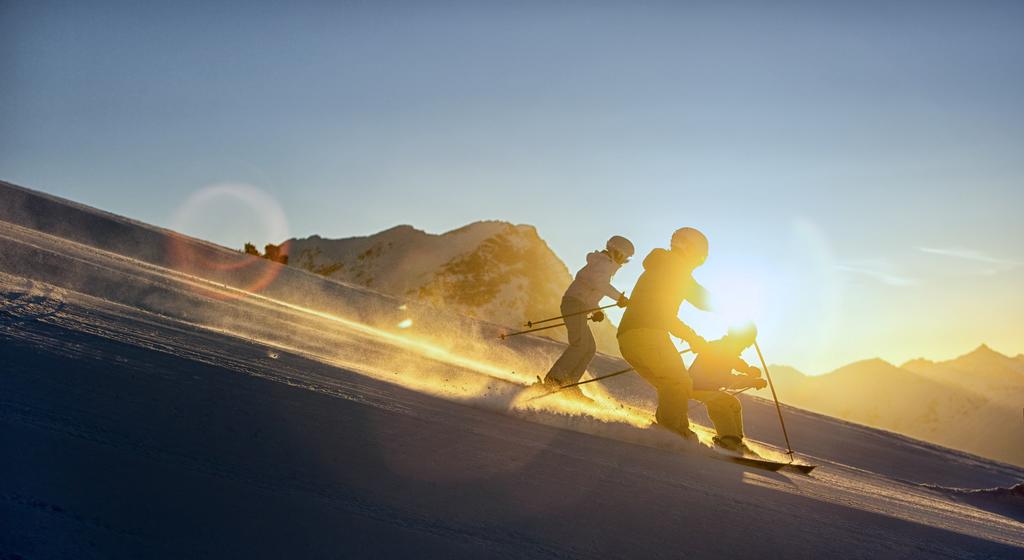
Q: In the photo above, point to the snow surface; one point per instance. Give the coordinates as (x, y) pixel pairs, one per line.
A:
(151, 406)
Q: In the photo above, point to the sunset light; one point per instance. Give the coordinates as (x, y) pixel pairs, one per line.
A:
(463, 279)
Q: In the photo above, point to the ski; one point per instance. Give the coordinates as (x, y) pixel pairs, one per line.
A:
(803, 469)
(761, 462)
(751, 462)
(756, 460)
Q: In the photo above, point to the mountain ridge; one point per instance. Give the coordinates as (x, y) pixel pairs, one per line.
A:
(493, 270)
(949, 402)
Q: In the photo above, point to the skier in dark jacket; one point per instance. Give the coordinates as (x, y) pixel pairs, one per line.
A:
(653, 317)
(591, 284)
(712, 377)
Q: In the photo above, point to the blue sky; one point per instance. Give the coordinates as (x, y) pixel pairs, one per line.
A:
(856, 165)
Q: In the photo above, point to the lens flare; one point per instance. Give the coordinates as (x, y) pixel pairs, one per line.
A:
(197, 257)
(270, 222)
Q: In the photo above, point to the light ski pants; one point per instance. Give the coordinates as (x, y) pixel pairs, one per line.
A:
(574, 361)
(655, 358)
(725, 411)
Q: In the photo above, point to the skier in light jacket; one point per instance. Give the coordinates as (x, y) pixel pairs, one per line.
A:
(592, 283)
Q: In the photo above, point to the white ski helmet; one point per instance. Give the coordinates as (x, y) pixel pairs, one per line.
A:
(620, 245)
(689, 239)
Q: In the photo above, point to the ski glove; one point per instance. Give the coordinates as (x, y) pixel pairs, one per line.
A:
(758, 383)
(753, 371)
(623, 301)
(597, 316)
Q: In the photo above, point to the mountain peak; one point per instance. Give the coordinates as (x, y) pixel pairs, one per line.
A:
(872, 365)
(402, 228)
(875, 362)
(492, 227)
(984, 351)
(917, 362)
(486, 224)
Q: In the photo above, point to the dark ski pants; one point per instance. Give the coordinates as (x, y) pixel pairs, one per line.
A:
(574, 361)
(655, 358)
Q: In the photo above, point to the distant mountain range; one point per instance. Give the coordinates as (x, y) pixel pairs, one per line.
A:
(490, 270)
(974, 402)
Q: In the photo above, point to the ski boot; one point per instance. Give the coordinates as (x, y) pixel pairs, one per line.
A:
(577, 394)
(680, 430)
(734, 444)
(554, 386)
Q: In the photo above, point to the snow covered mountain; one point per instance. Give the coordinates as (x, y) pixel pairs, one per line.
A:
(972, 402)
(999, 378)
(164, 397)
(495, 271)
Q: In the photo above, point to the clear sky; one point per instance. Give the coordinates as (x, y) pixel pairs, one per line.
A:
(858, 166)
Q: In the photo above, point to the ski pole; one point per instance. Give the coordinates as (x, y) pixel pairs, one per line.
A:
(532, 323)
(593, 379)
(789, 448)
(535, 329)
(503, 336)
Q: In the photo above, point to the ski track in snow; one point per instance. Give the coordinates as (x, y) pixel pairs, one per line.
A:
(158, 318)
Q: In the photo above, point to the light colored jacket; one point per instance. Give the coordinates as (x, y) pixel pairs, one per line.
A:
(593, 281)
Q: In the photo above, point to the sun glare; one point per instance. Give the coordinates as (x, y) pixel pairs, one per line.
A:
(738, 299)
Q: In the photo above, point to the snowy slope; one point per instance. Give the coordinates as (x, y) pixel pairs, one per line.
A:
(156, 412)
(496, 271)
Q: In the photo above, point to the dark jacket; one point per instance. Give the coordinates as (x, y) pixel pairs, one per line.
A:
(661, 289)
(712, 370)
